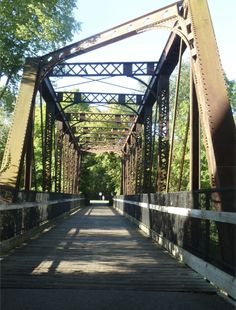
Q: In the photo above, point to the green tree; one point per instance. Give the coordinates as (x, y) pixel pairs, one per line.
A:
(30, 28)
(180, 129)
(231, 87)
(27, 29)
(100, 173)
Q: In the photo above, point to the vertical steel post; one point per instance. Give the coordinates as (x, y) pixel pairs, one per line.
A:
(77, 171)
(139, 160)
(29, 152)
(147, 148)
(163, 139)
(215, 115)
(48, 145)
(122, 175)
(194, 139)
(65, 162)
(58, 156)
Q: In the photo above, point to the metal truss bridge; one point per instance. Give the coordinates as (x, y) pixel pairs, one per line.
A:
(141, 125)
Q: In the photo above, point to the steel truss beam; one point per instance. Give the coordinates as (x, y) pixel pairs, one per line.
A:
(12, 163)
(104, 133)
(49, 95)
(166, 65)
(101, 149)
(101, 117)
(147, 149)
(92, 98)
(104, 69)
(107, 140)
(132, 164)
(158, 18)
(101, 130)
(163, 137)
(58, 155)
(215, 114)
(48, 147)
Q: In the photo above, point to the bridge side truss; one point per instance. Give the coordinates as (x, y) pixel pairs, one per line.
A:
(143, 170)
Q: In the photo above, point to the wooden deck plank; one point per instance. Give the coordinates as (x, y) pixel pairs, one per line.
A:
(97, 249)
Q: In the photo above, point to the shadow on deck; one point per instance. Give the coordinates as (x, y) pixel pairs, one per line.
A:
(96, 259)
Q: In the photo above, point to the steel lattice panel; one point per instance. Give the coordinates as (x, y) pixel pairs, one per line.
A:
(104, 69)
(101, 117)
(95, 98)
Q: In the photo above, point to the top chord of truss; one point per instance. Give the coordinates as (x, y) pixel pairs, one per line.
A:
(104, 69)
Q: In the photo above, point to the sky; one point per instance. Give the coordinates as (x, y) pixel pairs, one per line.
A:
(96, 16)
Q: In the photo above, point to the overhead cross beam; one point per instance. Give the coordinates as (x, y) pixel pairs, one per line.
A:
(98, 130)
(101, 117)
(98, 98)
(101, 149)
(102, 135)
(101, 140)
(161, 17)
(103, 69)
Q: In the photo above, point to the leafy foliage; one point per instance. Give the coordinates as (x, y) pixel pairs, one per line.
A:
(180, 129)
(27, 29)
(100, 173)
(30, 27)
(231, 86)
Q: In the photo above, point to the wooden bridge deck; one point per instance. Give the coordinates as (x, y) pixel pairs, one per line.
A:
(96, 259)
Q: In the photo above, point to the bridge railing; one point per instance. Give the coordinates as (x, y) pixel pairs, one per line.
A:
(30, 212)
(187, 225)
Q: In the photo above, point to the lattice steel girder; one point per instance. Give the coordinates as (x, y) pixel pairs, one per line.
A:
(156, 18)
(147, 149)
(101, 136)
(58, 155)
(163, 138)
(49, 95)
(101, 117)
(98, 150)
(92, 98)
(104, 69)
(108, 140)
(101, 130)
(48, 146)
(14, 150)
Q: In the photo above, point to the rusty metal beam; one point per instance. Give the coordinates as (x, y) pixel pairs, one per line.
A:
(15, 146)
(102, 129)
(147, 149)
(166, 65)
(48, 146)
(195, 134)
(151, 20)
(215, 112)
(100, 150)
(216, 116)
(101, 135)
(104, 69)
(101, 117)
(58, 156)
(163, 137)
(49, 95)
(96, 98)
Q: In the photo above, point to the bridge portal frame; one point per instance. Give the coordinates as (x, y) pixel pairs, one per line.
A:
(188, 21)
